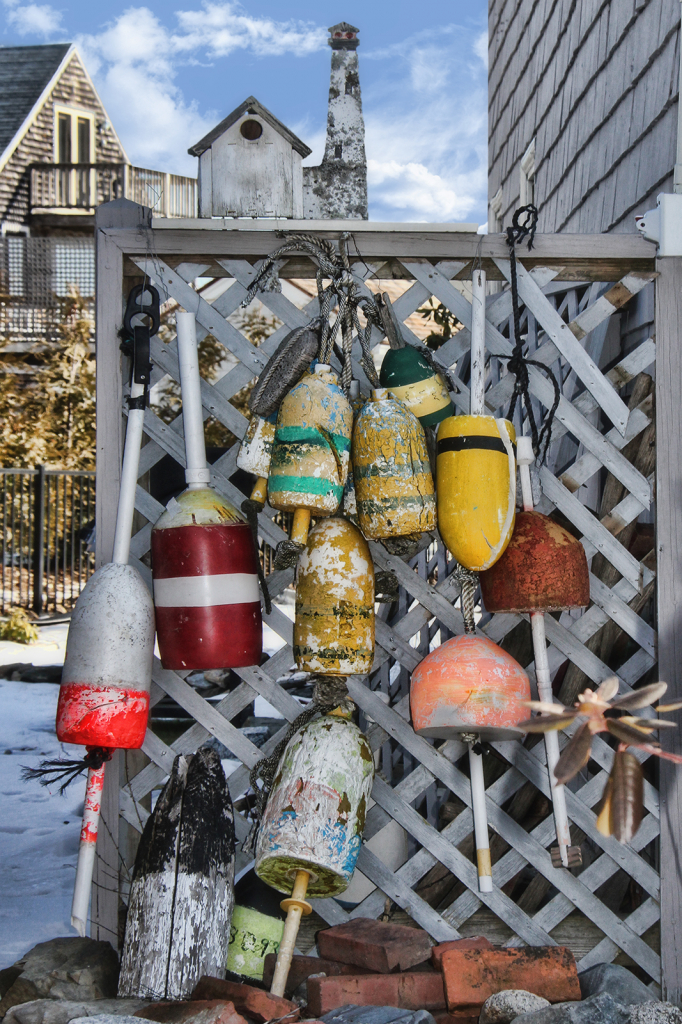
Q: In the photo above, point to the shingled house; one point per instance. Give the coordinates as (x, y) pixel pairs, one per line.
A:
(60, 157)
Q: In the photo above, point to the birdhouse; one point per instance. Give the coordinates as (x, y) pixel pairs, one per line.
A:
(250, 166)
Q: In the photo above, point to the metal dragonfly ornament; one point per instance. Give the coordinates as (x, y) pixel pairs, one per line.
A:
(602, 711)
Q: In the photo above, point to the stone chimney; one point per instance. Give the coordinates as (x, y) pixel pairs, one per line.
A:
(337, 189)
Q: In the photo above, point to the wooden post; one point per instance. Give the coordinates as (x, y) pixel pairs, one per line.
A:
(669, 605)
(109, 440)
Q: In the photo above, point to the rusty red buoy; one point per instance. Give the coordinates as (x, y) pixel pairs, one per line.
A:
(544, 568)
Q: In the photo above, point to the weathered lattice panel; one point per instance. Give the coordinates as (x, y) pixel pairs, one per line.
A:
(598, 476)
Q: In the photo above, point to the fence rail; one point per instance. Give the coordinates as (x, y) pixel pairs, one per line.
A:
(47, 524)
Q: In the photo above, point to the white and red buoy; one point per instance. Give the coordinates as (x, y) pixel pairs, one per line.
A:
(204, 561)
(104, 695)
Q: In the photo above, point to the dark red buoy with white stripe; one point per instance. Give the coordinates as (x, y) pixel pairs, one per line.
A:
(204, 561)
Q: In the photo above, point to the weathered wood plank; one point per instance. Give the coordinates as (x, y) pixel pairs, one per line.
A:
(566, 342)
(669, 602)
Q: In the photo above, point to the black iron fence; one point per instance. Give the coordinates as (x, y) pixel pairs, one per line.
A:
(47, 522)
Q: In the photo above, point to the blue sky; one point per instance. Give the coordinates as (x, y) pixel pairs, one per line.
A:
(169, 71)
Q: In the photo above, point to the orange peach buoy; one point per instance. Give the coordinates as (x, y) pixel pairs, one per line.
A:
(468, 685)
(544, 568)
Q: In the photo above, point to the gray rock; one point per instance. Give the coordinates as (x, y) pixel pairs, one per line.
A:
(66, 968)
(621, 984)
(106, 1018)
(352, 1014)
(61, 1011)
(504, 1006)
(599, 1009)
(655, 1013)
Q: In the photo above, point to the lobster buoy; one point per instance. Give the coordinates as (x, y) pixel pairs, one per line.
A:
(208, 612)
(468, 685)
(311, 450)
(544, 568)
(470, 688)
(408, 376)
(476, 481)
(204, 561)
(104, 695)
(255, 453)
(334, 624)
(393, 482)
(310, 835)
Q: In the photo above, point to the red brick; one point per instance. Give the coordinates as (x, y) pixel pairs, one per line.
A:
(303, 966)
(472, 975)
(252, 1002)
(415, 991)
(199, 1011)
(376, 945)
(474, 942)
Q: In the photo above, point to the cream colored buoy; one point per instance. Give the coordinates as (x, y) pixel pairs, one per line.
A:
(310, 835)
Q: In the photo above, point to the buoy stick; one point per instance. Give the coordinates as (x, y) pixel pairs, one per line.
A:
(259, 493)
(485, 874)
(86, 850)
(129, 474)
(477, 397)
(300, 525)
(295, 905)
(197, 473)
(568, 855)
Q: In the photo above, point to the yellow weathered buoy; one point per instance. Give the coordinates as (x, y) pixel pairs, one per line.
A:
(334, 624)
(311, 450)
(393, 482)
(476, 482)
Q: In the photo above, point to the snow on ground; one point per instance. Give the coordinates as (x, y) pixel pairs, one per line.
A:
(39, 829)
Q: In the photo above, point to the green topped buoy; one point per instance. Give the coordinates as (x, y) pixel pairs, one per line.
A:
(408, 376)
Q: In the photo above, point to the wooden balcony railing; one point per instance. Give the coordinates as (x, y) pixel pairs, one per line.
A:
(72, 187)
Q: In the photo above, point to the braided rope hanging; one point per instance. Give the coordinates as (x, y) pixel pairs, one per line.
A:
(342, 290)
(519, 362)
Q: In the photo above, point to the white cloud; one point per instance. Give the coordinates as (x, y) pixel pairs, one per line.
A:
(222, 28)
(136, 61)
(33, 19)
(428, 71)
(481, 48)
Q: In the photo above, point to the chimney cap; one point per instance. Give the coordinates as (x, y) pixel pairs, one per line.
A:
(249, 106)
(343, 36)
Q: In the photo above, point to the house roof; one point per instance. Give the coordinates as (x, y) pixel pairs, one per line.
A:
(251, 106)
(25, 71)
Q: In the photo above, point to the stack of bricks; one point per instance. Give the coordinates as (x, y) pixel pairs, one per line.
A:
(367, 962)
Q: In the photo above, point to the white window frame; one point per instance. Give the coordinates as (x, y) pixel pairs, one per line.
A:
(527, 176)
(494, 213)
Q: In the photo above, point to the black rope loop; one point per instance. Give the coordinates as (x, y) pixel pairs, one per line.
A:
(49, 772)
(523, 225)
(251, 509)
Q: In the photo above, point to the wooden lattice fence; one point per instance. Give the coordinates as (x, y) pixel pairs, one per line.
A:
(599, 476)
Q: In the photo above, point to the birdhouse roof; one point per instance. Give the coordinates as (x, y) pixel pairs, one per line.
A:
(249, 106)
(343, 26)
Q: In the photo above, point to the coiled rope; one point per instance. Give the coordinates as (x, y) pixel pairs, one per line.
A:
(342, 291)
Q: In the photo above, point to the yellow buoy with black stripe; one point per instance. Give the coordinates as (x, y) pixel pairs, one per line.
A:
(394, 489)
(311, 450)
(476, 484)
